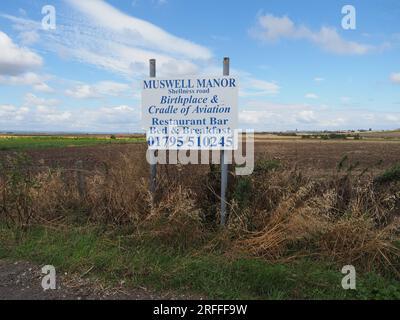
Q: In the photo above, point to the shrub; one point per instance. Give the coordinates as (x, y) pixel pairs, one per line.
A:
(243, 191)
(16, 184)
(390, 175)
(266, 165)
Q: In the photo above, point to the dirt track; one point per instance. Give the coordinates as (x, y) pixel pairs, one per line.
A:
(22, 281)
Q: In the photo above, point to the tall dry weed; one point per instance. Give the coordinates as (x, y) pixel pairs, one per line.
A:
(325, 219)
(175, 218)
(344, 218)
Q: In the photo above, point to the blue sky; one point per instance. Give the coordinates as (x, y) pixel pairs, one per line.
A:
(298, 68)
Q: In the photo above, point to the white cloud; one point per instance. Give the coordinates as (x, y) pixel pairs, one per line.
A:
(51, 115)
(271, 29)
(6, 109)
(11, 114)
(395, 77)
(121, 118)
(15, 60)
(43, 87)
(37, 82)
(271, 116)
(330, 40)
(369, 116)
(32, 100)
(393, 117)
(143, 33)
(29, 37)
(98, 90)
(251, 117)
(111, 88)
(251, 87)
(311, 96)
(307, 116)
(334, 123)
(319, 79)
(30, 116)
(258, 115)
(82, 92)
(264, 115)
(98, 34)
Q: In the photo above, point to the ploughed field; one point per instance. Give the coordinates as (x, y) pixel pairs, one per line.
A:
(319, 157)
(316, 157)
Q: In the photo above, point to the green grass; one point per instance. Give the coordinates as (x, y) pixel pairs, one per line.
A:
(113, 258)
(37, 142)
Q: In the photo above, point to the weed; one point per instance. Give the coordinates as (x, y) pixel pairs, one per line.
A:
(389, 176)
(266, 165)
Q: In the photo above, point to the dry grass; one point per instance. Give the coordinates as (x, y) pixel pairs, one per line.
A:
(345, 218)
(118, 194)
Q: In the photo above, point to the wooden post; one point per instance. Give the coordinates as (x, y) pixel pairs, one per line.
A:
(224, 162)
(153, 166)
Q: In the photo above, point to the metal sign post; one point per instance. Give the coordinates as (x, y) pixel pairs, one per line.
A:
(153, 166)
(224, 162)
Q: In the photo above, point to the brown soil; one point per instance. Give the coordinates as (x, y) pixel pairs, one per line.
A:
(306, 155)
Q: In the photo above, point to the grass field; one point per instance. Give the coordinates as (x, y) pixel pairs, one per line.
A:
(43, 142)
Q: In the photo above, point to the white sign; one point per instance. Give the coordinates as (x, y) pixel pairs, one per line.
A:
(190, 114)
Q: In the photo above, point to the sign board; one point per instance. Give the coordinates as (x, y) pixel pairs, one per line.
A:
(191, 113)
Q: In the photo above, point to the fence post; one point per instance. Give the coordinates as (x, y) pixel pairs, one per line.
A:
(224, 164)
(153, 166)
